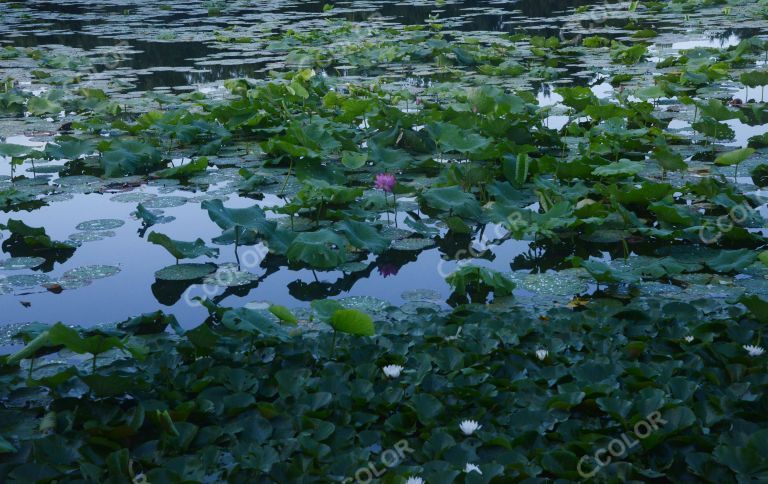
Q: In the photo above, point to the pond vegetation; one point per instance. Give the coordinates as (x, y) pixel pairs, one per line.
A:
(509, 241)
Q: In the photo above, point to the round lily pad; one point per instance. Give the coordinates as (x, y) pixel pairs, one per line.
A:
(412, 244)
(81, 237)
(67, 284)
(58, 197)
(391, 232)
(133, 197)
(16, 263)
(365, 303)
(555, 283)
(229, 276)
(163, 182)
(100, 224)
(79, 180)
(184, 272)
(91, 272)
(207, 196)
(5, 288)
(165, 202)
(27, 280)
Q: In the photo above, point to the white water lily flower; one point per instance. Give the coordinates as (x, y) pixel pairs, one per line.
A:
(414, 480)
(472, 468)
(754, 350)
(392, 371)
(469, 426)
(542, 354)
(688, 339)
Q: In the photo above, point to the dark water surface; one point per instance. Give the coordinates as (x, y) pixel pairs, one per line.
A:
(166, 48)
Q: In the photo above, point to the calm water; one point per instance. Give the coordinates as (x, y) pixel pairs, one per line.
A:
(165, 50)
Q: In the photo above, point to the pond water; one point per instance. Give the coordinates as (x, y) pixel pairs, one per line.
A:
(167, 47)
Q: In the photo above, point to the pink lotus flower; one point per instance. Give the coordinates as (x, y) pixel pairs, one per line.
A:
(385, 181)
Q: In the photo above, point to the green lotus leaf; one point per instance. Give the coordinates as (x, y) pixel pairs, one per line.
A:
(734, 157)
(324, 308)
(470, 275)
(754, 78)
(353, 160)
(669, 160)
(68, 148)
(183, 250)
(731, 260)
(39, 106)
(184, 272)
(128, 157)
(352, 321)
(709, 127)
(364, 236)
(184, 171)
(602, 272)
(453, 200)
(254, 322)
(718, 111)
(34, 237)
(323, 249)
(252, 218)
(452, 138)
(757, 306)
(283, 313)
(14, 151)
(578, 97)
(148, 218)
(623, 167)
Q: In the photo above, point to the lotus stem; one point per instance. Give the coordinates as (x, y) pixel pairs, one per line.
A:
(394, 207)
(287, 175)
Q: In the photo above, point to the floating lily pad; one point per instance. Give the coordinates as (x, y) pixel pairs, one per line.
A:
(163, 182)
(165, 202)
(184, 272)
(207, 197)
(27, 280)
(5, 288)
(365, 303)
(91, 272)
(554, 283)
(68, 284)
(58, 197)
(228, 275)
(82, 237)
(132, 197)
(100, 224)
(412, 244)
(391, 232)
(16, 263)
